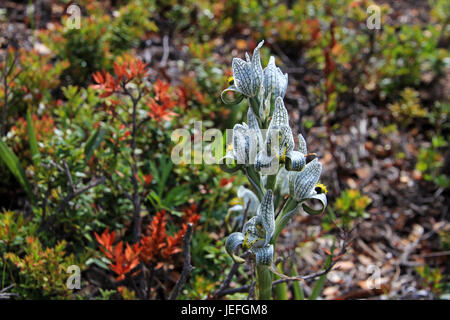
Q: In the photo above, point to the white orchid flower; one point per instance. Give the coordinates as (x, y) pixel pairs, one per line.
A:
(246, 142)
(247, 198)
(302, 186)
(279, 140)
(275, 82)
(256, 234)
(279, 128)
(247, 76)
(282, 183)
(296, 160)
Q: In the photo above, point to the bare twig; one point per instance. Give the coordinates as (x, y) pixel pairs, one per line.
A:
(7, 288)
(410, 248)
(6, 295)
(342, 251)
(124, 192)
(136, 198)
(301, 278)
(434, 254)
(93, 183)
(6, 72)
(187, 267)
(227, 280)
(285, 199)
(166, 51)
(68, 175)
(225, 284)
(244, 217)
(45, 202)
(143, 121)
(283, 56)
(245, 288)
(71, 195)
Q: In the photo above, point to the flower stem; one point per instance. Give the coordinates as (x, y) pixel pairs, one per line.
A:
(263, 283)
(271, 180)
(289, 208)
(255, 181)
(254, 104)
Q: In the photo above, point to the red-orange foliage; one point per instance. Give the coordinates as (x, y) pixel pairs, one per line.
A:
(106, 82)
(155, 248)
(130, 70)
(127, 261)
(123, 73)
(191, 215)
(160, 106)
(226, 181)
(135, 70)
(44, 126)
(154, 242)
(106, 240)
(121, 262)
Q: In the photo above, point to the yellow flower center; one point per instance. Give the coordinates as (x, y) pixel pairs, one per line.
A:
(282, 158)
(321, 188)
(236, 201)
(245, 244)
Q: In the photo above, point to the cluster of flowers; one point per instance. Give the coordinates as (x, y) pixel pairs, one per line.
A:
(264, 149)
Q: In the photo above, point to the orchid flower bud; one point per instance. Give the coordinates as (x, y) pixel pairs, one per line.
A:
(275, 82)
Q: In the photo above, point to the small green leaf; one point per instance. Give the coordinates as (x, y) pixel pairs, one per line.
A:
(297, 287)
(13, 164)
(93, 143)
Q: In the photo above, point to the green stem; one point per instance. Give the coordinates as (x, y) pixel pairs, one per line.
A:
(281, 289)
(271, 180)
(263, 283)
(283, 218)
(210, 210)
(254, 104)
(296, 286)
(255, 181)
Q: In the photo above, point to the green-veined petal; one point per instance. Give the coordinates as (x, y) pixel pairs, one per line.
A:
(264, 255)
(323, 202)
(234, 240)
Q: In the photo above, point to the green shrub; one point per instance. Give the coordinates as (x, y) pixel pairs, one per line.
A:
(42, 271)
